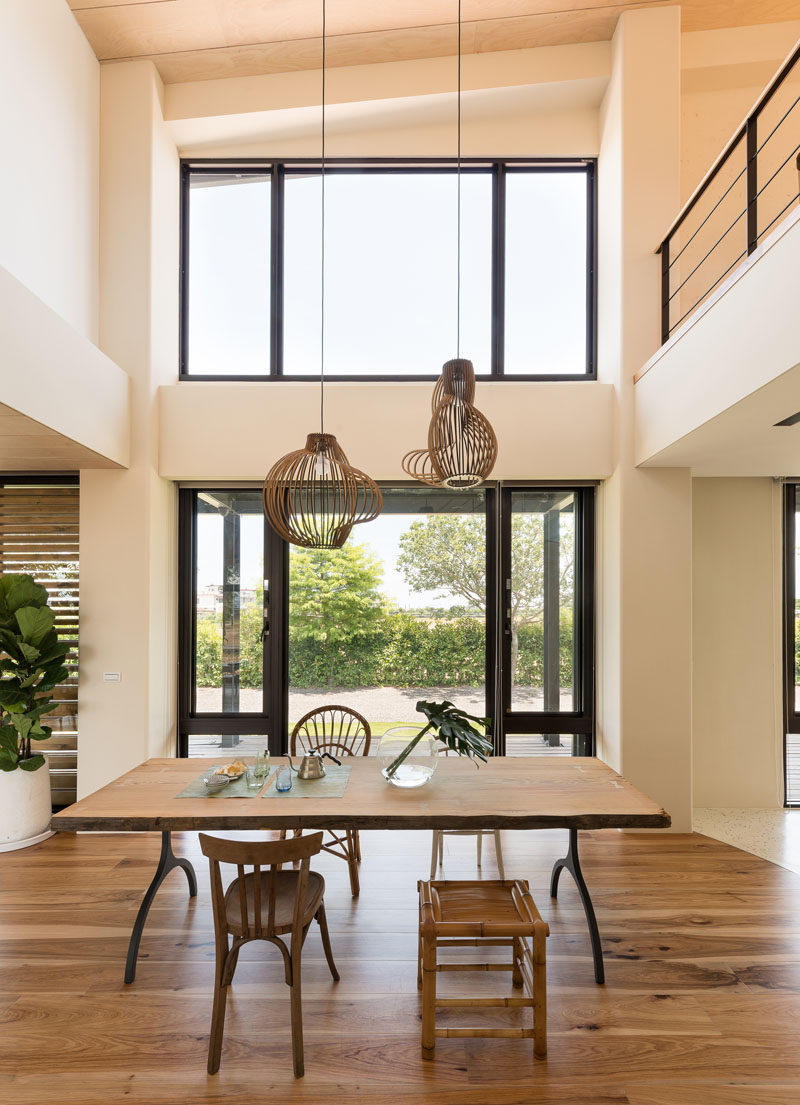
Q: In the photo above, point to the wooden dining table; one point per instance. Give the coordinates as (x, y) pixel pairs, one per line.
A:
(520, 792)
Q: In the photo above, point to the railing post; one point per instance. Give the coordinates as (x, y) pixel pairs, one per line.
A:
(752, 183)
(664, 290)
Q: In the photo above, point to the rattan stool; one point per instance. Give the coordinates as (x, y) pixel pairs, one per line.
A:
(457, 913)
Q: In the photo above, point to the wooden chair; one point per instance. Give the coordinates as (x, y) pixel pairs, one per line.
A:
(264, 905)
(342, 732)
(437, 845)
(474, 914)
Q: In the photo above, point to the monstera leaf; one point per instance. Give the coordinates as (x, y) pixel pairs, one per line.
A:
(452, 727)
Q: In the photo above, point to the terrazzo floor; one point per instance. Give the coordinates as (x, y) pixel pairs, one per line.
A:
(768, 833)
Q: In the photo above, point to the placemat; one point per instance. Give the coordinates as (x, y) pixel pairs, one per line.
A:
(236, 788)
(331, 785)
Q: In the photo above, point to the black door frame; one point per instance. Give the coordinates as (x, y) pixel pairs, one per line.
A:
(274, 719)
(581, 721)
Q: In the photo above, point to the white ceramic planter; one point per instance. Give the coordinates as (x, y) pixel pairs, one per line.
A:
(25, 806)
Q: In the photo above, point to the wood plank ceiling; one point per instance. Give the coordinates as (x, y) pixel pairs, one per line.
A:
(191, 40)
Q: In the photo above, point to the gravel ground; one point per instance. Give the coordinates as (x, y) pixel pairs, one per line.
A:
(377, 704)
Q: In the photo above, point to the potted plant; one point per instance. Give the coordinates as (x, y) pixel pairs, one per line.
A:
(31, 666)
(411, 763)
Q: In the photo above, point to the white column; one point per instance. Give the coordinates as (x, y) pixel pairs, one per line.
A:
(644, 607)
(128, 518)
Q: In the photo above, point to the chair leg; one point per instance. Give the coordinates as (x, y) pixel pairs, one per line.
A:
(428, 997)
(539, 993)
(352, 864)
(436, 843)
(224, 973)
(479, 838)
(322, 921)
(498, 847)
(297, 1016)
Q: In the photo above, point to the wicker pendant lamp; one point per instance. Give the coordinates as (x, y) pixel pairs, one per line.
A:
(462, 446)
(313, 496)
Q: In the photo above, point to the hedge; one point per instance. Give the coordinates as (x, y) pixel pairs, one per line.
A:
(404, 652)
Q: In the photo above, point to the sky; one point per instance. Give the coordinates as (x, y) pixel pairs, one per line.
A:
(381, 537)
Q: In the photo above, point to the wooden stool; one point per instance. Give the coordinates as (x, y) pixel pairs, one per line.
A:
(500, 913)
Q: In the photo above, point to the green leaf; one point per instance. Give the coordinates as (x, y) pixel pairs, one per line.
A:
(33, 763)
(23, 591)
(7, 762)
(30, 652)
(35, 622)
(22, 724)
(9, 741)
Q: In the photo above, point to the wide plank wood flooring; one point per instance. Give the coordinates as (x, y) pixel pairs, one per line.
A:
(701, 1004)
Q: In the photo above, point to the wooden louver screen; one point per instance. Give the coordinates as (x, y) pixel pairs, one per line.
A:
(39, 535)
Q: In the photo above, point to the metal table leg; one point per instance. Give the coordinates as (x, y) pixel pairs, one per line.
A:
(166, 862)
(573, 865)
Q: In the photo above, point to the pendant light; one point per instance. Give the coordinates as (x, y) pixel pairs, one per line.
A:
(313, 496)
(462, 446)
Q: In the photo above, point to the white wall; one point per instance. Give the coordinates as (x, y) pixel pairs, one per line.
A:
(49, 117)
(644, 622)
(737, 642)
(129, 519)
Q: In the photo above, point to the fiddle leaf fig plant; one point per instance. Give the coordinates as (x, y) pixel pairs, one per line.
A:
(31, 666)
(453, 728)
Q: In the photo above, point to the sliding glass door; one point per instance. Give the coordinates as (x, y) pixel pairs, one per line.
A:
(232, 664)
(401, 613)
(481, 597)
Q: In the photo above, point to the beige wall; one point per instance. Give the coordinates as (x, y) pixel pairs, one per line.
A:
(545, 430)
(737, 642)
(49, 112)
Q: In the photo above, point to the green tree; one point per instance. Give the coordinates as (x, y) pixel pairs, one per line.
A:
(447, 552)
(335, 601)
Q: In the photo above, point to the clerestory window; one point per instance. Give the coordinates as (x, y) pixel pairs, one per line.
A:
(251, 269)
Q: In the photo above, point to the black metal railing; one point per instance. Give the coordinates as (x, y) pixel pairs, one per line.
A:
(750, 187)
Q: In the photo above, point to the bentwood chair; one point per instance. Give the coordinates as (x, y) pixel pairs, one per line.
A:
(264, 905)
(342, 732)
(437, 847)
(490, 913)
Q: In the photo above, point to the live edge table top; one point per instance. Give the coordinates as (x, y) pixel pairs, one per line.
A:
(520, 792)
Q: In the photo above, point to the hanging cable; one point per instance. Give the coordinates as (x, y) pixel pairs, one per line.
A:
(458, 200)
(322, 249)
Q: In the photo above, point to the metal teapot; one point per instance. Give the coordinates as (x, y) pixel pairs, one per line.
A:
(311, 766)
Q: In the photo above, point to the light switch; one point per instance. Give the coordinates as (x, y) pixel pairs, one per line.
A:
(112, 677)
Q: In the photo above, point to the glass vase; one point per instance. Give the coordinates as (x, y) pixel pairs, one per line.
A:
(405, 766)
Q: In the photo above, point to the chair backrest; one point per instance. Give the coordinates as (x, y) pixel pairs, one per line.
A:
(257, 855)
(335, 729)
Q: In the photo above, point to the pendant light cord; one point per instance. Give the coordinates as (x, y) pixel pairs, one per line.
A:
(458, 201)
(322, 250)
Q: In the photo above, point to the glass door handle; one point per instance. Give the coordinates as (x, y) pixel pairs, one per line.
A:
(265, 630)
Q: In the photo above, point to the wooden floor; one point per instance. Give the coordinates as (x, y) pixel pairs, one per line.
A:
(701, 1006)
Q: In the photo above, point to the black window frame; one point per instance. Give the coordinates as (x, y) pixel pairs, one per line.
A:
(499, 168)
(579, 722)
